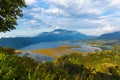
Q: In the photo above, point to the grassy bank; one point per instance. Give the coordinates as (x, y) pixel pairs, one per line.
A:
(56, 52)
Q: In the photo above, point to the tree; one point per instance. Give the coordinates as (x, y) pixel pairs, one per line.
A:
(10, 10)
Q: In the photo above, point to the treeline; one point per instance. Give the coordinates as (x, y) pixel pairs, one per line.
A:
(103, 65)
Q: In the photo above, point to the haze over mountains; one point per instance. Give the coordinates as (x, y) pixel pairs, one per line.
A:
(56, 35)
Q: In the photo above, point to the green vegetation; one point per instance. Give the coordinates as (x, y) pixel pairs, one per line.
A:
(103, 65)
(10, 10)
(103, 44)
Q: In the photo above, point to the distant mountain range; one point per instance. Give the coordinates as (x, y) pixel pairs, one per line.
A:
(110, 36)
(56, 35)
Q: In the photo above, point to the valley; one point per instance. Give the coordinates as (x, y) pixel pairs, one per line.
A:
(59, 42)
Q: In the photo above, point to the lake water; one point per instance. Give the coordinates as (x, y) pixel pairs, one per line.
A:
(35, 56)
(83, 48)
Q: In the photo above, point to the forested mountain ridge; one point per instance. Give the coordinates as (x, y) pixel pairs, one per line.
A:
(110, 36)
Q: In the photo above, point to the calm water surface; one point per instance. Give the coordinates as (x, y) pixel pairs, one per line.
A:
(83, 48)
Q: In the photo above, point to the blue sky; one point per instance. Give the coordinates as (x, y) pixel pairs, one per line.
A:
(91, 17)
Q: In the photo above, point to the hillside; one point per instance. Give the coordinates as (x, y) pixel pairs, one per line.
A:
(16, 42)
(110, 36)
(103, 65)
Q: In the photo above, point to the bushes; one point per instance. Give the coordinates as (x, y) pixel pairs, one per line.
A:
(7, 50)
(101, 66)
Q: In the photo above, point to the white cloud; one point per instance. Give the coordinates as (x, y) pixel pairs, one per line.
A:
(98, 30)
(108, 29)
(93, 17)
(76, 7)
(30, 2)
(53, 10)
(56, 2)
(103, 30)
(94, 11)
(115, 3)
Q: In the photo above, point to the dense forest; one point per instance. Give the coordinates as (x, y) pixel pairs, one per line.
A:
(97, 65)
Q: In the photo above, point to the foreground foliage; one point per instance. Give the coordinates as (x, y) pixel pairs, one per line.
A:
(103, 65)
(10, 10)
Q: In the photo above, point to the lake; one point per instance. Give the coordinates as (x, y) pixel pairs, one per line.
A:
(36, 57)
(83, 48)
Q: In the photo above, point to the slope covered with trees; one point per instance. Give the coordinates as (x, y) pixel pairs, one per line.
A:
(110, 36)
(94, 66)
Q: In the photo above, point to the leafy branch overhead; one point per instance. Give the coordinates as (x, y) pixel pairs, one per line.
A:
(10, 10)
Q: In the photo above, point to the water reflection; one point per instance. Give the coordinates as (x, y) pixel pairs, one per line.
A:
(35, 56)
(83, 48)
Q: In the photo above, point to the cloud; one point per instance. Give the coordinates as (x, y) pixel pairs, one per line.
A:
(30, 2)
(115, 3)
(91, 17)
(55, 2)
(104, 30)
(76, 7)
(27, 32)
(52, 10)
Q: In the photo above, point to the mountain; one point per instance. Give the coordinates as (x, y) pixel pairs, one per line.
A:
(16, 42)
(61, 34)
(110, 36)
(56, 35)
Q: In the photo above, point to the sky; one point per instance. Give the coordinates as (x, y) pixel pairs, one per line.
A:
(90, 17)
